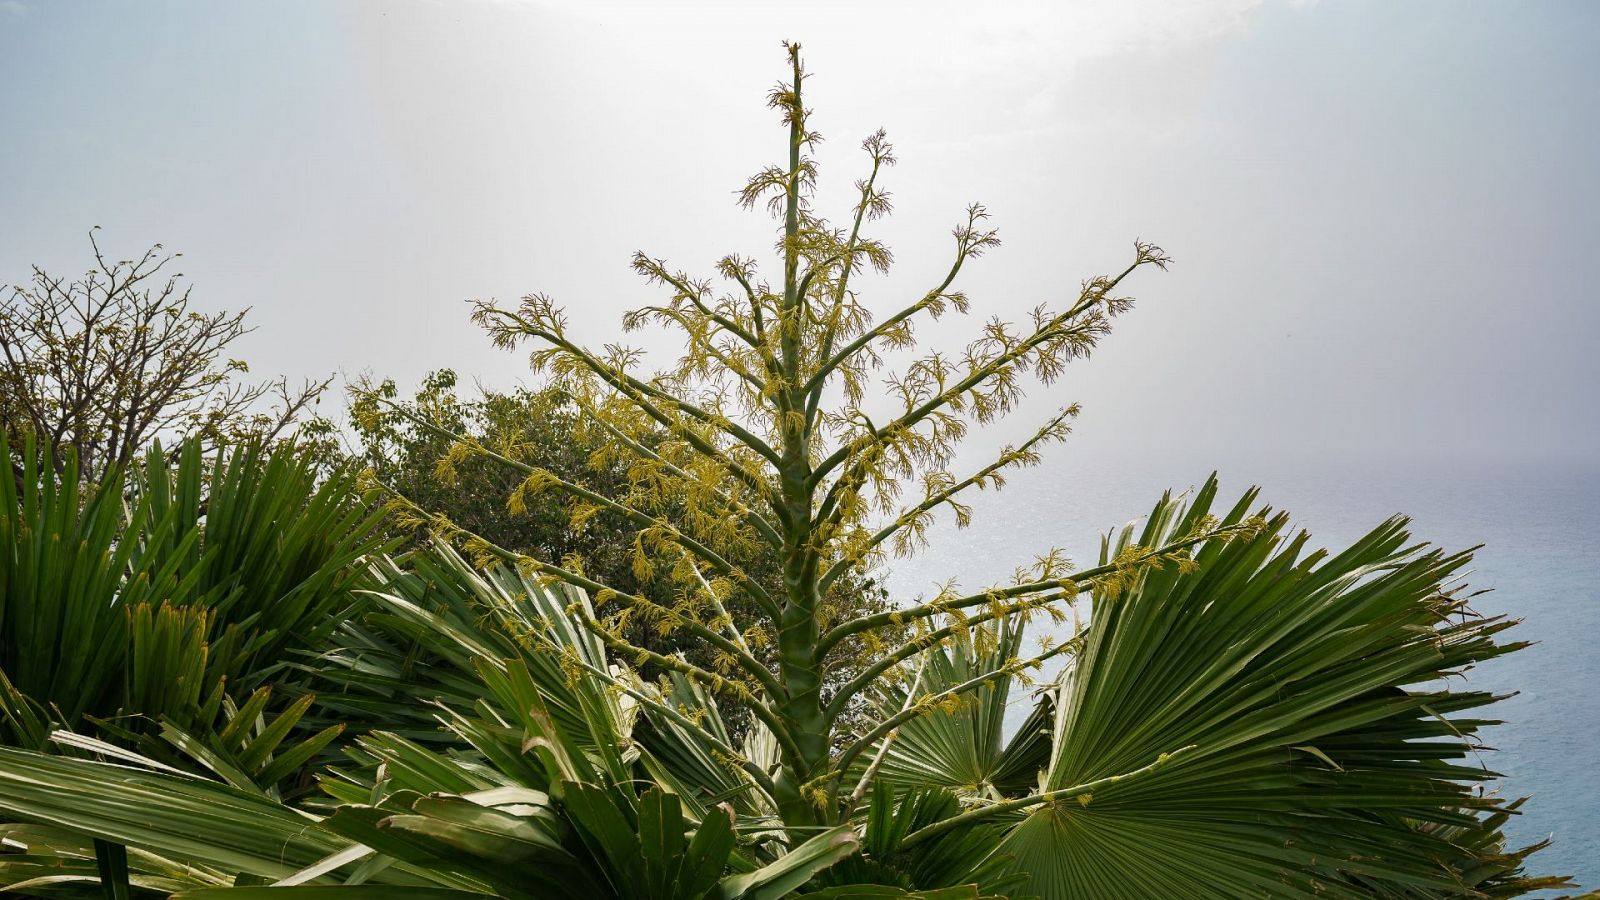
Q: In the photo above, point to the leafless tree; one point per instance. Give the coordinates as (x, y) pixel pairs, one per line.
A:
(117, 358)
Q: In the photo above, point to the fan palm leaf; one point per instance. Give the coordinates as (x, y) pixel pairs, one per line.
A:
(1263, 718)
(469, 640)
(963, 746)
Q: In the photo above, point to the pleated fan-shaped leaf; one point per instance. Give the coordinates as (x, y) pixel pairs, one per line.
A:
(963, 747)
(1260, 718)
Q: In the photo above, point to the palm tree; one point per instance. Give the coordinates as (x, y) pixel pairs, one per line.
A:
(1313, 750)
(164, 608)
(1233, 712)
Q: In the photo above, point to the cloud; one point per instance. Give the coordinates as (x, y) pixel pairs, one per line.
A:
(14, 7)
(915, 56)
(1001, 33)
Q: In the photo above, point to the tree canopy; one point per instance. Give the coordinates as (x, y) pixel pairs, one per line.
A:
(106, 363)
(411, 446)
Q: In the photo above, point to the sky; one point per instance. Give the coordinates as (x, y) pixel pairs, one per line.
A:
(1384, 217)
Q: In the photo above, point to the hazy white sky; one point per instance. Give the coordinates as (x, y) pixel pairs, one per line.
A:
(1384, 216)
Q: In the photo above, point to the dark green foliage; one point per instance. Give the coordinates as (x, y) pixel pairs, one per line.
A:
(472, 492)
(961, 860)
(66, 584)
(407, 445)
(278, 553)
(153, 609)
(1314, 751)
(546, 808)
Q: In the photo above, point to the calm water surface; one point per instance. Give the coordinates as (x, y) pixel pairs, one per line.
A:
(1540, 525)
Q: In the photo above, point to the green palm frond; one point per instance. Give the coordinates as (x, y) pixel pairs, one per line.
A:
(212, 830)
(66, 584)
(962, 745)
(136, 598)
(409, 834)
(446, 641)
(41, 860)
(1248, 715)
(281, 549)
(1316, 749)
(962, 861)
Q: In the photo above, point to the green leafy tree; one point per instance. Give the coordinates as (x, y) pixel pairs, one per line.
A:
(538, 426)
(412, 447)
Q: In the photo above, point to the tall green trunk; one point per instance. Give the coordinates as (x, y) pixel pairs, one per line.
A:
(801, 707)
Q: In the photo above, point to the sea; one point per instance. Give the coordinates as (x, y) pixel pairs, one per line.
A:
(1538, 522)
